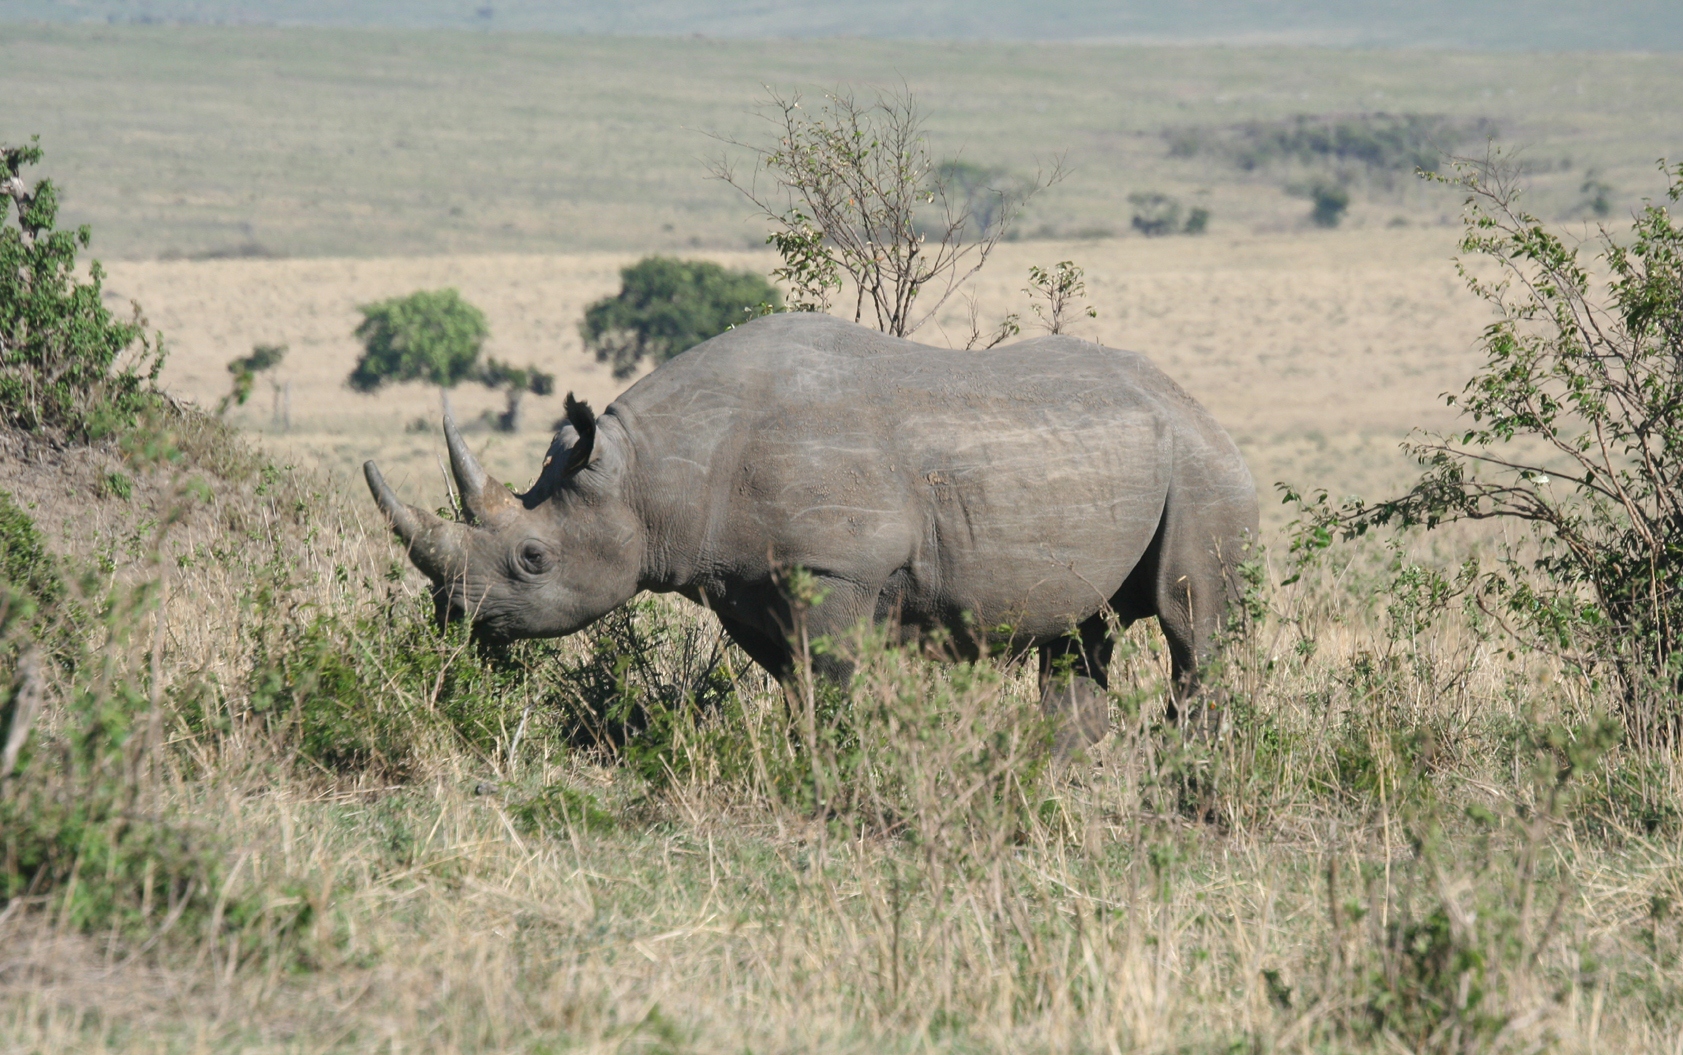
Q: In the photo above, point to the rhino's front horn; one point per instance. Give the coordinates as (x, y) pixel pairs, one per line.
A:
(483, 497)
(435, 545)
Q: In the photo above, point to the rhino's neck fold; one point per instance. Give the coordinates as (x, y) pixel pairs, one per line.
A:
(665, 486)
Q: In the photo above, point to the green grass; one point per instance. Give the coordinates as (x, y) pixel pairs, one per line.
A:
(373, 142)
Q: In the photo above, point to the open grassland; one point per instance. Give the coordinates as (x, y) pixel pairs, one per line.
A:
(320, 825)
(378, 143)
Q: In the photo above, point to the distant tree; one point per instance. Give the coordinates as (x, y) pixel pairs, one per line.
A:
(1598, 196)
(666, 306)
(855, 196)
(1329, 202)
(1155, 214)
(436, 337)
(427, 336)
(245, 370)
(516, 382)
(982, 193)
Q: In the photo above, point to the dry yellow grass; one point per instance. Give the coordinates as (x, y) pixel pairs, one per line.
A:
(1317, 351)
(706, 915)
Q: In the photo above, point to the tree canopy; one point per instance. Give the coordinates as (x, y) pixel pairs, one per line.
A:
(433, 336)
(666, 305)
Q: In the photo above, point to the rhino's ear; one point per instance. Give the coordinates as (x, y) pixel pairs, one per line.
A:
(583, 422)
(562, 462)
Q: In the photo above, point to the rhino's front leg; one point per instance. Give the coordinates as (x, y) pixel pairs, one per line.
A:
(1074, 683)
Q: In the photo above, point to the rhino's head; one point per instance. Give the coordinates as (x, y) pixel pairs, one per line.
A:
(541, 564)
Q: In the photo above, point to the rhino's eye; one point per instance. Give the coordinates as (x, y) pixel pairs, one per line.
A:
(534, 558)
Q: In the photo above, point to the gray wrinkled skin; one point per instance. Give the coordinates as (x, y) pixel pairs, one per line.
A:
(1000, 498)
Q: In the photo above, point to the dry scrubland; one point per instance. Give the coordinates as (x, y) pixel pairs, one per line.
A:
(401, 844)
(1318, 351)
(422, 850)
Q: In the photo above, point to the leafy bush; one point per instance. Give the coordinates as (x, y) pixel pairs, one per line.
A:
(1329, 200)
(1572, 431)
(666, 306)
(80, 822)
(432, 336)
(65, 361)
(29, 578)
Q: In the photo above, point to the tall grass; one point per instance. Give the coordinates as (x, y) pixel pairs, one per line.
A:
(1412, 837)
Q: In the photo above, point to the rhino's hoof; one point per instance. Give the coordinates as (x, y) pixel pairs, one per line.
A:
(1080, 712)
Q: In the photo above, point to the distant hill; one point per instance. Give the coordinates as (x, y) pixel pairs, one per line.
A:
(1498, 25)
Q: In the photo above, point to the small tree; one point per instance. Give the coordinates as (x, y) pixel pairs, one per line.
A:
(515, 382)
(427, 336)
(666, 306)
(1575, 430)
(1054, 293)
(1329, 202)
(65, 361)
(436, 337)
(245, 370)
(852, 190)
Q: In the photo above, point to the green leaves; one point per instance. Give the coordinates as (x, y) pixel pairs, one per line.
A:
(666, 306)
(1576, 430)
(65, 361)
(432, 336)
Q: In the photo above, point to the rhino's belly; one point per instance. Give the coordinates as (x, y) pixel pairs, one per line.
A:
(1036, 532)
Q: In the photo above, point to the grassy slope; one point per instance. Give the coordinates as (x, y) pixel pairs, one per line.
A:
(319, 142)
(1159, 901)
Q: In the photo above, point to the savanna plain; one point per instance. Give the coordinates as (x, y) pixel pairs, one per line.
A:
(335, 829)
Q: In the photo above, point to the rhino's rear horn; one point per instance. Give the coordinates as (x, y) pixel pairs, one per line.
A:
(483, 498)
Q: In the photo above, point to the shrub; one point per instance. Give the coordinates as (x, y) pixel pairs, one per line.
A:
(1329, 201)
(1155, 214)
(245, 370)
(1054, 293)
(82, 826)
(65, 361)
(515, 382)
(858, 195)
(666, 306)
(29, 578)
(1572, 431)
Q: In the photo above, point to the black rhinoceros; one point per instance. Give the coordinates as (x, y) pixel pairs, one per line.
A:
(1006, 498)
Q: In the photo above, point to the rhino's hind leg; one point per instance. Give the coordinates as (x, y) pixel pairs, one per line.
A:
(1074, 679)
(1195, 588)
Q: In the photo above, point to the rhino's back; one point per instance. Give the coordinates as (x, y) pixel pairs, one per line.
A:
(1023, 478)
